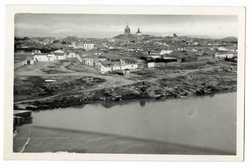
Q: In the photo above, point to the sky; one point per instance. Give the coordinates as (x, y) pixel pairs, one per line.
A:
(107, 26)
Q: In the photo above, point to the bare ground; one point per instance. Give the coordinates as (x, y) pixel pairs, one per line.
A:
(166, 81)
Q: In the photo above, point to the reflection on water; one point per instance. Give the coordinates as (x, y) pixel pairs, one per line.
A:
(142, 103)
(208, 122)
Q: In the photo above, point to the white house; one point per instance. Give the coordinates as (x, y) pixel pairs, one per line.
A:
(89, 46)
(129, 63)
(165, 52)
(71, 53)
(44, 57)
(224, 55)
(111, 63)
(56, 55)
(155, 56)
(222, 49)
(151, 65)
(80, 58)
(60, 54)
(115, 66)
(231, 48)
(105, 67)
(195, 43)
(169, 58)
(35, 51)
(90, 60)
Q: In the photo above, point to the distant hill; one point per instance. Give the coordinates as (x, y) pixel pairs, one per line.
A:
(229, 39)
(200, 36)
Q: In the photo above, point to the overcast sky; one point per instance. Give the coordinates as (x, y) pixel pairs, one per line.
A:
(105, 26)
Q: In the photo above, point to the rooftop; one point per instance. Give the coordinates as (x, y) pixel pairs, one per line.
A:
(130, 60)
(41, 54)
(91, 56)
(226, 52)
(19, 58)
(94, 51)
(59, 52)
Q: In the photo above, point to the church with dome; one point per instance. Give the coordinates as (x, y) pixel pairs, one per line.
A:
(127, 31)
(129, 36)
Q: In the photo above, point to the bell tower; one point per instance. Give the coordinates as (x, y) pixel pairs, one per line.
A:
(127, 31)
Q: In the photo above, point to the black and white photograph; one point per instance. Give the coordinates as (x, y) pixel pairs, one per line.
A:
(109, 82)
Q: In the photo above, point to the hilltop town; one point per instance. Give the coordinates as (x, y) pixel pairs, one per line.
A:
(59, 72)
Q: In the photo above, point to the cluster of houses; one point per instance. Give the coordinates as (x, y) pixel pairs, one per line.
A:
(29, 58)
(107, 62)
(84, 45)
(111, 62)
(117, 53)
(104, 63)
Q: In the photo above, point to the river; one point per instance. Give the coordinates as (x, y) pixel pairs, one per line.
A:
(206, 122)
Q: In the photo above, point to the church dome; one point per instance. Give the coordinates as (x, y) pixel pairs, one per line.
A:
(138, 31)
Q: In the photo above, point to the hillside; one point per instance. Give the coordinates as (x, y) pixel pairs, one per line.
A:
(229, 39)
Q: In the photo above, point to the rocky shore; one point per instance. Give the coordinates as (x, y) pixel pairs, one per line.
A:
(193, 84)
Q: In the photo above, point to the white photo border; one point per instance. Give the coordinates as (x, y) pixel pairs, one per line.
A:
(11, 10)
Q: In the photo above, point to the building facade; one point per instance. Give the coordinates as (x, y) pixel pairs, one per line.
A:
(89, 46)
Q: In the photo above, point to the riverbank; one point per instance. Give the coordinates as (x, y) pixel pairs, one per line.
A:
(199, 83)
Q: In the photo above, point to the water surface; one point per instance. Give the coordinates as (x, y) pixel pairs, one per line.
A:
(208, 122)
